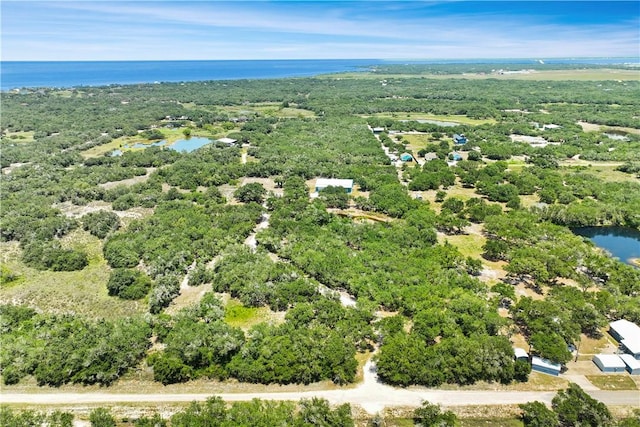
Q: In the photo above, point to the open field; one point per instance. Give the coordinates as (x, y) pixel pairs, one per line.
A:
(588, 74)
(605, 171)
(592, 127)
(82, 292)
(268, 109)
(18, 137)
(463, 120)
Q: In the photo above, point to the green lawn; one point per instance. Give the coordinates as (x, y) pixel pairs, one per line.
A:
(620, 381)
(237, 315)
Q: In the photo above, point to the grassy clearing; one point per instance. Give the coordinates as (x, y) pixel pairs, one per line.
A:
(460, 119)
(83, 292)
(591, 346)
(467, 244)
(613, 382)
(551, 75)
(604, 171)
(416, 142)
(18, 137)
(239, 316)
(268, 109)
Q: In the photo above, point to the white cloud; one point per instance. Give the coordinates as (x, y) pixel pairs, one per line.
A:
(259, 30)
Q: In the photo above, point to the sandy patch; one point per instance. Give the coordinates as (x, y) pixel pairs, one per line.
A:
(129, 181)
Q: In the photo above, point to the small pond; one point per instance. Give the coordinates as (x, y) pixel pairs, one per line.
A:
(146, 145)
(189, 145)
(621, 242)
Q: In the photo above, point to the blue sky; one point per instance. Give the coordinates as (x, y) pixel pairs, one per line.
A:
(163, 30)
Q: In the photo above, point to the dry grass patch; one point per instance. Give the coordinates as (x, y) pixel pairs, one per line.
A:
(129, 181)
(82, 292)
(189, 296)
(460, 119)
(620, 381)
(269, 109)
(417, 141)
(591, 346)
(607, 172)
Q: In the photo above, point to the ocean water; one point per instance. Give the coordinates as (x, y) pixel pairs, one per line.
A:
(100, 73)
(63, 74)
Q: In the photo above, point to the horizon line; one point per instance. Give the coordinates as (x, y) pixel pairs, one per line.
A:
(329, 59)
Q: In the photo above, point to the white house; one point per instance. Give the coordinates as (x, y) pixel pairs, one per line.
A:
(322, 183)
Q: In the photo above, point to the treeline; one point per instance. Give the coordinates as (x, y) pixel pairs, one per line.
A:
(213, 412)
(61, 349)
(317, 341)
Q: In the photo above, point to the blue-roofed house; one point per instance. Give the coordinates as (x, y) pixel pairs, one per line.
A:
(459, 139)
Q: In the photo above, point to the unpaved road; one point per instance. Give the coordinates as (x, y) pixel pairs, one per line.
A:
(371, 395)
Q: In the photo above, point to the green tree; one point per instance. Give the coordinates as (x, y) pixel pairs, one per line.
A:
(536, 414)
(101, 417)
(101, 223)
(576, 408)
(252, 192)
(154, 421)
(430, 415)
(317, 412)
(128, 284)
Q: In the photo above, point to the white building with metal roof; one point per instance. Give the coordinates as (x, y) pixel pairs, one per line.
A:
(609, 363)
(628, 335)
(322, 183)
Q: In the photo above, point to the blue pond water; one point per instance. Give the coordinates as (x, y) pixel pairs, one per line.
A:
(621, 242)
(189, 145)
(145, 145)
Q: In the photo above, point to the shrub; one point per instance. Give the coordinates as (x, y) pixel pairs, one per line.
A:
(128, 284)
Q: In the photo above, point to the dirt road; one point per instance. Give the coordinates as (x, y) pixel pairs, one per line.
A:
(371, 395)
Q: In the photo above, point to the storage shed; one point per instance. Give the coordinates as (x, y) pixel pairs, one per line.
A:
(322, 183)
(609, 363)
(520, 354)
(628, 335)
(633, 365)
(545, 366)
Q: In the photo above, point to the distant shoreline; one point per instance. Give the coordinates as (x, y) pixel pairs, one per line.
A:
(68, 74)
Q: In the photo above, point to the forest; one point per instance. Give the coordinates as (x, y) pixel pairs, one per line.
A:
(446, 262)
